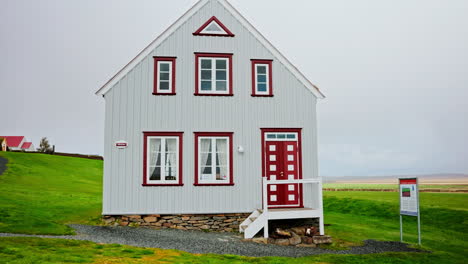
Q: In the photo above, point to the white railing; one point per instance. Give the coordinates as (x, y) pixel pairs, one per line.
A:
(317, 198)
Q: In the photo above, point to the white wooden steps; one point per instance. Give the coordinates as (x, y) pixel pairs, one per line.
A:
(254, 223)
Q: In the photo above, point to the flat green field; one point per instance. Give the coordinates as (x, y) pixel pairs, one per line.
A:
(39, 194)
(447, 187)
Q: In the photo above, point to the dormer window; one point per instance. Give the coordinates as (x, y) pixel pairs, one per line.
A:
(262, 78)
(213, 74)
(213, 27)
(164, 76)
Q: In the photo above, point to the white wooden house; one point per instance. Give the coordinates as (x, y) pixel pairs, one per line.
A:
(210, 118)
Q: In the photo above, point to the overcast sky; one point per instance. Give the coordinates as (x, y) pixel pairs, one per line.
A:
(395, 73)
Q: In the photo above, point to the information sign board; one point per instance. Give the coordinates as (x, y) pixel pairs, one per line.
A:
(409, 197)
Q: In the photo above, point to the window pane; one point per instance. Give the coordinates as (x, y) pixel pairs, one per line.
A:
(261, 78)
(261, 69)
(206, 74)
(221, 86)
(261, 87)
(206, 64)
(205, 145)
(205, 170)
(271, 136)
(214, 27)
(291, 136)
(221, 158)
(164, 76)
(206, 159)
(164, 66)
(206, 85)
(155, 159)
(221, 75)
(281, 135)
(171, 144)
(155, 173)
(163, 85)
(171, 174)
(155, 152)
(171, 159)
(221, 64)
(205, 149)
(221, 173)
(221, 145)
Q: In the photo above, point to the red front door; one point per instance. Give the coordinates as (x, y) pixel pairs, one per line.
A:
(282, 163)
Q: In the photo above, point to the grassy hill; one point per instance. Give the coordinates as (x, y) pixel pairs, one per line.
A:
(41, 193)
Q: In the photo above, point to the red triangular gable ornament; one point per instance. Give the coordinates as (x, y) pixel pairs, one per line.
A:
(213, 27)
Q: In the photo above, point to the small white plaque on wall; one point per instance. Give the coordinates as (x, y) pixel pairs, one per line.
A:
(121, 144)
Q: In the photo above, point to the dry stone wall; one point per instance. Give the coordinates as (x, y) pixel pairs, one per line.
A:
(213, 222)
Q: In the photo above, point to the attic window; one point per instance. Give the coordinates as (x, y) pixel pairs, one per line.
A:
(213, 27)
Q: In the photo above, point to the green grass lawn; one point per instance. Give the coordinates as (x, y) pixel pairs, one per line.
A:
(356, 216)
(41, 193)
(39, 250)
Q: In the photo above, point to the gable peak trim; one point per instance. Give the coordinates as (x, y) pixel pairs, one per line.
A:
(204, 31)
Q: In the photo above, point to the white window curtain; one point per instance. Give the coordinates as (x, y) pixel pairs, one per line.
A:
(155, 159)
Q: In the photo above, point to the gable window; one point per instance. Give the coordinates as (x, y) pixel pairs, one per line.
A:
(213, 158)
(164, 75)
(162, 162)
(262, 78)
(213, 27)
(213, 74)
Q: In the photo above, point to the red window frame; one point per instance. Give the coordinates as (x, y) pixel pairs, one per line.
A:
(145, 156)
(270, 77)
(156, 75)
(229, 135)
(213, 18)
(199, 55)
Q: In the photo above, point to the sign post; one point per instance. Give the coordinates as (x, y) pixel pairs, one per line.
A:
(409, 202)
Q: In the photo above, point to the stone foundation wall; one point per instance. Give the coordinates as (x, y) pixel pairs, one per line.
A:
(214, 222)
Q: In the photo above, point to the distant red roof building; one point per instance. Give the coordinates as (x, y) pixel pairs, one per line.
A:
(13, 141)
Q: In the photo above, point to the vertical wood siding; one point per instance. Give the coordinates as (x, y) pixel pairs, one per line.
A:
(131, 109)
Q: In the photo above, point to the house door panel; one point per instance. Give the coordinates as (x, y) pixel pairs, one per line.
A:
(282, 164)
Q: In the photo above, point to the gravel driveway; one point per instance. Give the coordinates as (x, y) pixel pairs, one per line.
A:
(210, 242)
(3, 163)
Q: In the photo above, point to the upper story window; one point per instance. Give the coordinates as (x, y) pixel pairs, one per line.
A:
(213, 74)
(213, 158)
(164, 75)
(162, 159)
(262, 78)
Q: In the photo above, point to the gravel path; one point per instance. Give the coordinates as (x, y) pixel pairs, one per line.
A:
(3, 163)
(209, 242)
